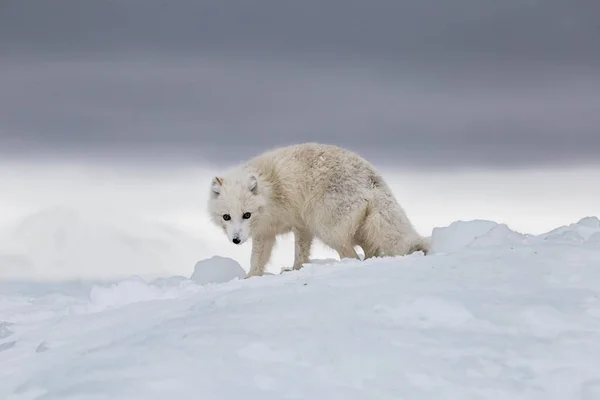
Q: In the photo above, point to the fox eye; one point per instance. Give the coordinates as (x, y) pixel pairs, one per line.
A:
(226, 217)
(246, 215)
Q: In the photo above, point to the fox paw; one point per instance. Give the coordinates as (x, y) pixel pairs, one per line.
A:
(253, 273)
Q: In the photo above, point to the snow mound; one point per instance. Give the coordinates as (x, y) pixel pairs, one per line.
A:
(60, 242)
(217, 269)
(586, 229)
(464, 235)
(461, 235)
(589, 222)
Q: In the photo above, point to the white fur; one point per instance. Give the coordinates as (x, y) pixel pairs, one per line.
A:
(315, 191)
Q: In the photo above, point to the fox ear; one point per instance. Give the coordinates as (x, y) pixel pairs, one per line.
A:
(216, 186)
(253, 184)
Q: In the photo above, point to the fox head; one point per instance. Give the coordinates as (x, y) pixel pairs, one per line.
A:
(236, 203)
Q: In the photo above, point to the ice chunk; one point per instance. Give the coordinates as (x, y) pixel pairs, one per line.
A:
(476, 233)
(590, 222)
(580, 232)
(217, 269)
(500, 235)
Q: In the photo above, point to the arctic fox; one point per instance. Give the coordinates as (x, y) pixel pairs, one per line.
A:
(314, 191)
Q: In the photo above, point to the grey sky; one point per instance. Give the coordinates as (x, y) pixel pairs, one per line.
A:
(417, 82)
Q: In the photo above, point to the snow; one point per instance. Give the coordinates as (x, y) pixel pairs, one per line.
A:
(586, 229)
(470, 234)
(490, 314)
(217, 269)
(56, 242)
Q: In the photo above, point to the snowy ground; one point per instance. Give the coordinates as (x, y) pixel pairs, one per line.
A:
(491, 314)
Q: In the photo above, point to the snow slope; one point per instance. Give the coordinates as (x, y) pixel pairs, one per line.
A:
(490, 314)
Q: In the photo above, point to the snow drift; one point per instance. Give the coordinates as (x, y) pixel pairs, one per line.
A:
(57, 243)
(490, 314)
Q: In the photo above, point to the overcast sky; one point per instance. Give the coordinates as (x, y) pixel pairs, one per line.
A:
(413, 83)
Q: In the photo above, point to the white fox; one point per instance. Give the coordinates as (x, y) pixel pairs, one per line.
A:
(315, 191)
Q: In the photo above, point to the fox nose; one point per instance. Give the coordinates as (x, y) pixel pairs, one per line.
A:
(236, 240)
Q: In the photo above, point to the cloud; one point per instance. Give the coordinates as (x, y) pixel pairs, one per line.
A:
(417, 84)
(548, 31)
(225, 110)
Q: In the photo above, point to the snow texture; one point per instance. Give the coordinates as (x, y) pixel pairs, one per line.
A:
(490, 314)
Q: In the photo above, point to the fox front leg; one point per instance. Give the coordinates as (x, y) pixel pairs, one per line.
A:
(261, 253)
